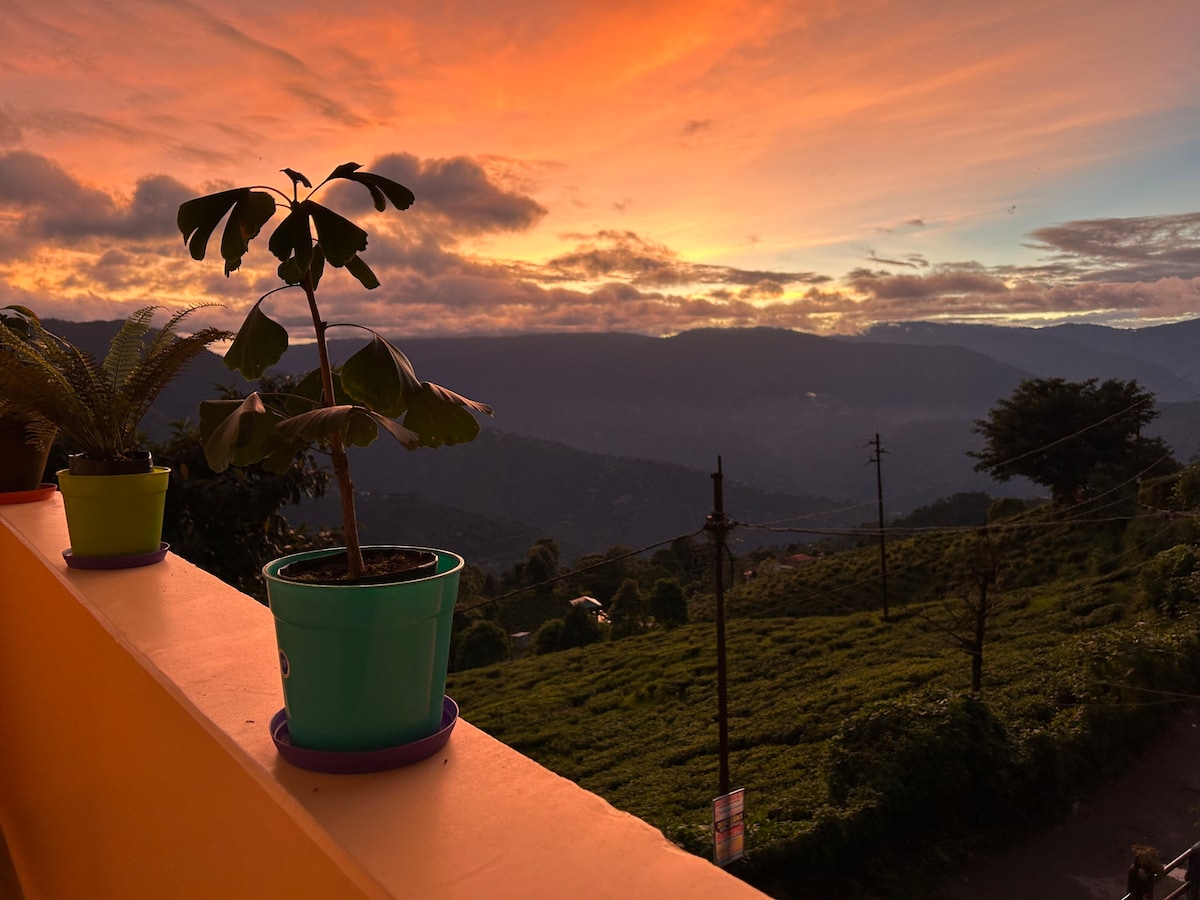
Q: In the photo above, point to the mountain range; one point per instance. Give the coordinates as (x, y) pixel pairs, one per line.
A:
(602, 439)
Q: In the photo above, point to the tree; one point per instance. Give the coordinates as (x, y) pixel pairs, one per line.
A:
(626, 610)
(1071, 437)
(549, 636)
(580, 628)
(962, 617)
(481, 644)
(668, 604)
(541, 564)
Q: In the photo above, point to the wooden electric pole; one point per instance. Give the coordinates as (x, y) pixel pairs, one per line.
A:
(717, 525)
(878, 460)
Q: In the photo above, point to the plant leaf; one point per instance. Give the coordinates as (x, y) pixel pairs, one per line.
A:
(379, 186)
(260, 342)
(239, 432)
(380, 377)
(199, 218)
(292, 242)
(246, 220)
(297, 178)
(440, 416)
(340, 239)
(307, 394)
(248, 212)
(354, 423)
(362, 272)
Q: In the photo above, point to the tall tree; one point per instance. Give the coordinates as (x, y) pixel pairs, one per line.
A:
(668, 604)
(627, 610)
(1071, 436)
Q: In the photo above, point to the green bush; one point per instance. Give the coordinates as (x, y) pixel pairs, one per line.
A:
(1171, 580)
(483, 643)
(924, 763)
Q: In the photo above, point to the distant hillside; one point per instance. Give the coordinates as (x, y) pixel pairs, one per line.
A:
(789, 413)
(529, 488)
(1162, 358)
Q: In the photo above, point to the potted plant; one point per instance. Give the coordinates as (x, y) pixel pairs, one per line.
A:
(364, 639)
(25, 438)
(113, 494)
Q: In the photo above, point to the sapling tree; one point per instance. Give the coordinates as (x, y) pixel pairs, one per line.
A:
(963, 615)
(334, 406)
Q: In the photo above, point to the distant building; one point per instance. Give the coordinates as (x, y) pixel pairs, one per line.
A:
(591, 605)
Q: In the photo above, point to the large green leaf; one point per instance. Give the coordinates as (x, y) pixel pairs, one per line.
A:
(260, 343)
(362, 272)
(240, 432)
(380, 187)
(440, 416)
(349, 421)
(248, 211)
(340, 238)
(306, 394)
(292, 242)
(379, 376)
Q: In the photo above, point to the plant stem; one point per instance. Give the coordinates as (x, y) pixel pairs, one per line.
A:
(337, 448)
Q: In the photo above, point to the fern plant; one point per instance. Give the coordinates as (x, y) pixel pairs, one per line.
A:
(98, 404)
(38, 432)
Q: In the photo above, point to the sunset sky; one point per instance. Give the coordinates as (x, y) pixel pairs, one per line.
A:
(619, 166)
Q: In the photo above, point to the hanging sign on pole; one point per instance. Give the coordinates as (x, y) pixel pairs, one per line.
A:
(729, 840)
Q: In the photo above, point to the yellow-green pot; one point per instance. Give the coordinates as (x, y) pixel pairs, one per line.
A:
(114, 515)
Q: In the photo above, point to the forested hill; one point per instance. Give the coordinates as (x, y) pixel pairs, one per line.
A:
(789, 413)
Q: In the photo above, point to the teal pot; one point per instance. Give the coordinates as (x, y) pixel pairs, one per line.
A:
(21, 464)
(114, 515)
(363, 666)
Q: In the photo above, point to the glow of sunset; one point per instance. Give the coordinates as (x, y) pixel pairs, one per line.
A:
(589, 166)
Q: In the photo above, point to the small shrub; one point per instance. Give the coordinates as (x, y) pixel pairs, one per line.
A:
(1171, 580)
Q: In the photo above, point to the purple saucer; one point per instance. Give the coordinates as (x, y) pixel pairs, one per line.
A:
(116, 562)
(353, 762)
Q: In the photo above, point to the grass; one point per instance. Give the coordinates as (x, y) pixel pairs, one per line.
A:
(1070, 653)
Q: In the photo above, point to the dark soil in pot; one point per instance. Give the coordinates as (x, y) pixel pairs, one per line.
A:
(136, 462)
(383, 565)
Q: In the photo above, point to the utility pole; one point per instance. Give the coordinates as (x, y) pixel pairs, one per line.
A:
(878, 460)
(717, 525)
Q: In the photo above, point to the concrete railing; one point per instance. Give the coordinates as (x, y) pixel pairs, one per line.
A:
(135, 761)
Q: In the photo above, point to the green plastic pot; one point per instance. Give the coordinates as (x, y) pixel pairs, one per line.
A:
(114, 515)
(363, 666)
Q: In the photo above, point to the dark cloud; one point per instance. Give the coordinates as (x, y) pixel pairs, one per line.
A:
(53, 206)
(1144, 248)
(910, 260)
(624, 255)
(455, 197)
(916, 222)
(945, 281)
(694, 126)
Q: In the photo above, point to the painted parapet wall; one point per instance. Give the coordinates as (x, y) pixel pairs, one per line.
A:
(110, 785)
(135, 761)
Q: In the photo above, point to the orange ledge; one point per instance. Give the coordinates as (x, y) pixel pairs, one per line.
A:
(135, 762)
